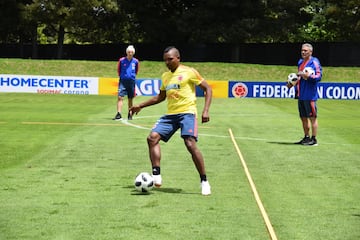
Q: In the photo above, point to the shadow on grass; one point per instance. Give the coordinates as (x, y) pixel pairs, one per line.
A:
(162, 189)
(168, 190)
(172, 190)
(284, 143)
(134, 192)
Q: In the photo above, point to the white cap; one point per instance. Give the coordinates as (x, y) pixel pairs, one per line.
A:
(130, 48)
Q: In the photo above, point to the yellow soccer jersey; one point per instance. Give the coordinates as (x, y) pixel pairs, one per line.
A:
(180, 89)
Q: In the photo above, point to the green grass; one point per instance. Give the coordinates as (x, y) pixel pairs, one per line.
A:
(67, 169)
(150, 69)
(67, 172)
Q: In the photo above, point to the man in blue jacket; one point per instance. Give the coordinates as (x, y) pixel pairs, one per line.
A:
(128, 67)
(309, 75)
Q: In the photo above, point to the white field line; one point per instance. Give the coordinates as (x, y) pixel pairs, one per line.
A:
(126, 122)
(253, 188)
(146, 127)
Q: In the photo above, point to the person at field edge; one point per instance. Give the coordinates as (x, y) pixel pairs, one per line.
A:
(307, 94)
(178, 87)
(127, 68)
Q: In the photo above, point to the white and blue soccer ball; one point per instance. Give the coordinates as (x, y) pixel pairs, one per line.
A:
(309, 70)
(144, 182)
(292, 78)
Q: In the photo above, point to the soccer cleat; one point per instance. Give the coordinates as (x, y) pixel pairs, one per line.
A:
(313, 142)
(205, 188)
(117, 117)
(157, 180)
(304, 141)
(129, 116)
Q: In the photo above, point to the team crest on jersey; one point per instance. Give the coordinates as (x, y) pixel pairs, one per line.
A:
(180, 78)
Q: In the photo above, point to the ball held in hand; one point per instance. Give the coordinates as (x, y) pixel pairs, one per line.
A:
(292, 78)
(309, 70)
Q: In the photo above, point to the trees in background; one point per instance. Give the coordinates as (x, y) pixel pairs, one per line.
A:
(178, 21)
(333, 20)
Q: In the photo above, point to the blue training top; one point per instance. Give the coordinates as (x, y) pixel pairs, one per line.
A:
(127, 70)
(307, 89)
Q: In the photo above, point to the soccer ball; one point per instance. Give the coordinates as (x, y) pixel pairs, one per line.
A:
(144, 182)
(309, 70)
(292, 78)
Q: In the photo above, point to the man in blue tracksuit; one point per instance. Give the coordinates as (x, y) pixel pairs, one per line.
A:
(309, 75)
(128, 67)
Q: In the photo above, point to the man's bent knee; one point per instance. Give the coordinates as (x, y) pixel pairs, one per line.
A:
(153, 138)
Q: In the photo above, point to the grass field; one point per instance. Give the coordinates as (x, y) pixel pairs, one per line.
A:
(150, 69)
(67, 170)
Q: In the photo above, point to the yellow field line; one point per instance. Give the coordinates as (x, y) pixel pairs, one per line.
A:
(253, 188)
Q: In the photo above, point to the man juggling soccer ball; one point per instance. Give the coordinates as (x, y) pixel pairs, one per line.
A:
(178, 88)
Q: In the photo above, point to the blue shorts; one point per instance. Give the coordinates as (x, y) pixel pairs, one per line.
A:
(307, 108)
(167, 125)
(126, 87)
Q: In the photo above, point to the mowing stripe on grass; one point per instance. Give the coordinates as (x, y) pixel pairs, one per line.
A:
(73, 124)
(223, 136)
(127, 123)
(253, 188)
(147, 127)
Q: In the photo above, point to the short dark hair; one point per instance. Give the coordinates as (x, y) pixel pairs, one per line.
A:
(170, 48)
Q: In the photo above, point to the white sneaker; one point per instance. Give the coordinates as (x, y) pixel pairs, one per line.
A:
(205, 188)
(157, 180)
